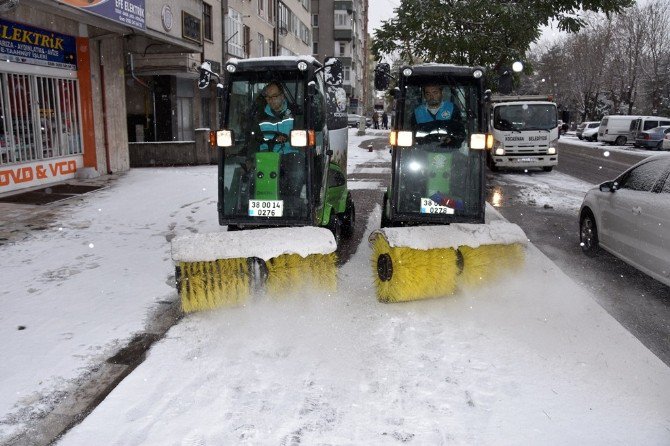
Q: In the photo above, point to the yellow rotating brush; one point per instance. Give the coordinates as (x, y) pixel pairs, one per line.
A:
(223, 269)
(422, 262)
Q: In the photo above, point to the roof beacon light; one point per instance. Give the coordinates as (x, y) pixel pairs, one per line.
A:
(477, 74)
(302, 65)
(407, 72)
(231, 68)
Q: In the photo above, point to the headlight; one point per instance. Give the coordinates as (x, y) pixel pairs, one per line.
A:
(552, 147)
(224, 138)
(303, 138)
(478, 141)
(498, 148)
(400, 139)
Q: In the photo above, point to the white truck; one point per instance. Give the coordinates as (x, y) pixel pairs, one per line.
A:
(525, 132)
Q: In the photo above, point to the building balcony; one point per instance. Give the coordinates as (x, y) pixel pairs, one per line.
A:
(346, 61)
(343, 34)
(343, 5)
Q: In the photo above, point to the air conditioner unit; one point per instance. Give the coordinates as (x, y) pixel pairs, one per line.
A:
(8, 5)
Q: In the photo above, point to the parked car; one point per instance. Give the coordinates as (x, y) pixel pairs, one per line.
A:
(588, 130)
(644, 123)
(353, 120)
(652, 138)
(630, 218)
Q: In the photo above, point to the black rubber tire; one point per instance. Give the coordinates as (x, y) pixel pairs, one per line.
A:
(588, 234)
(548, 168)
(348, 217)
(620, 141)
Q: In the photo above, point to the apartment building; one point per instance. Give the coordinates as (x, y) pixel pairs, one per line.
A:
(260, 28)
(339, 29)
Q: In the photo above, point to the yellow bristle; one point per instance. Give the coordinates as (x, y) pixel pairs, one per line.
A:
(207, 285)
(291, 272)
(417, 274)
(488, 262)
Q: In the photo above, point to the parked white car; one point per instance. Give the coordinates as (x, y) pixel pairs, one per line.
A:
(630, 218)
(588, 130)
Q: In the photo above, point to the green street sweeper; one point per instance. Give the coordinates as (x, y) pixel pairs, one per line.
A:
(282, 183)
(435, 236)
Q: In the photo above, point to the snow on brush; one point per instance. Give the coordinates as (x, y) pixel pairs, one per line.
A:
(262, 243)
(514, 362)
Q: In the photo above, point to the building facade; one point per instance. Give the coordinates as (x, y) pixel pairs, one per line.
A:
(83, 78)
(339, 28)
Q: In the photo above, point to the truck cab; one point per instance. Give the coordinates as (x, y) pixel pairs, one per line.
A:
(525, 132)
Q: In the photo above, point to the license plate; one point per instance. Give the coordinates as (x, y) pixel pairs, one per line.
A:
(266, 208)
(428, 206)
(525, 160)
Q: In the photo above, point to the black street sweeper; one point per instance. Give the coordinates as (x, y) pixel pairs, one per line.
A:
(435, 236)
(282, 183)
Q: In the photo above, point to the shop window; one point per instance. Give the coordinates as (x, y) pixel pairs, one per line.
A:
(39, 118)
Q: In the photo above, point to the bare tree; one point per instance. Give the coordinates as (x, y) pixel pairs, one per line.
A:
(656, 64)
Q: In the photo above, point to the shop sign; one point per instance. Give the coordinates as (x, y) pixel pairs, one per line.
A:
(126, 12)
(36, 46)
(190, 27)
(36, 173)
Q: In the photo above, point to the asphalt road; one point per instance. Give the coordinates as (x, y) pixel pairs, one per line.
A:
(638, 302)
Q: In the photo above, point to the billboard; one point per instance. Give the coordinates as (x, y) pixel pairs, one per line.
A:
(126, 12)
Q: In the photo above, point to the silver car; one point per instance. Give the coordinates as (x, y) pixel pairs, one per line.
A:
(630, 217)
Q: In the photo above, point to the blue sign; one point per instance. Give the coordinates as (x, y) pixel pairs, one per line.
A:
(36, 46)
(126, 12)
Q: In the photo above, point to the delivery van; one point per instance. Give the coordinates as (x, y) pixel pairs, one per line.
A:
(616, 129)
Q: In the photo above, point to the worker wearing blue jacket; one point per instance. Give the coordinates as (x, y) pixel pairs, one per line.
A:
(438, 113)
(276, 121)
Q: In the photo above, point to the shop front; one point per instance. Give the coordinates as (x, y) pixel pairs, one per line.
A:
(41, 96)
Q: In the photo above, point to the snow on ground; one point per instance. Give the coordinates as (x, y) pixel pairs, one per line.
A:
(530, 359)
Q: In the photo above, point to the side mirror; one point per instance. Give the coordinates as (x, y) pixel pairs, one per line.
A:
(205, 78)
(333, 71)
(608, 186)
(382, 76)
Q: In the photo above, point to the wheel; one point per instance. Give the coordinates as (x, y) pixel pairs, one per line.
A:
(335, 226)
(588, 234)
(620, 141)
(659, 146)
(548, 168)
(348, 217)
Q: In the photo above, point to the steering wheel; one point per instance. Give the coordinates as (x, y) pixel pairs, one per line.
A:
(447, 133)
(276, 138)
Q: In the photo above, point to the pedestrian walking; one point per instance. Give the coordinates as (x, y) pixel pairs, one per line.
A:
(385, 121)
